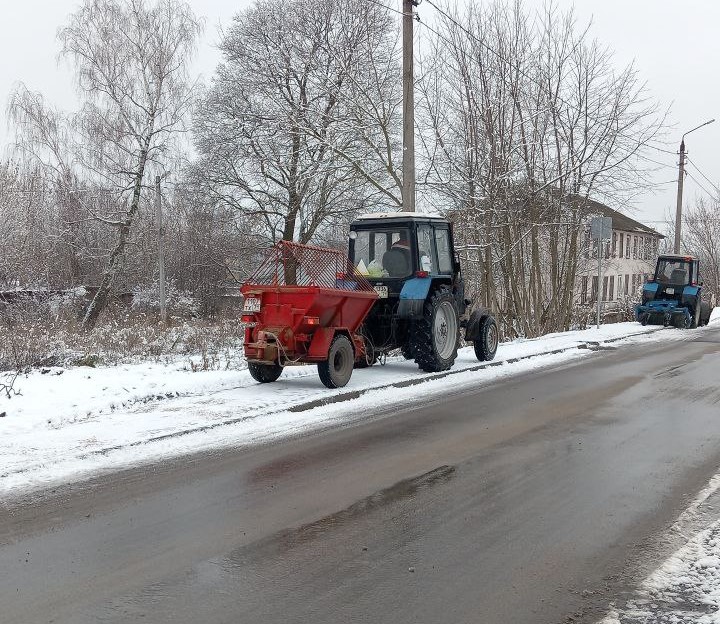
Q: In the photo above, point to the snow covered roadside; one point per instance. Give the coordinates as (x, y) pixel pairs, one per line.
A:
(686, 587)
(69, 424)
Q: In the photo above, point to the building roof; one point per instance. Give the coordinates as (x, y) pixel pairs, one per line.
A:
(619, 220)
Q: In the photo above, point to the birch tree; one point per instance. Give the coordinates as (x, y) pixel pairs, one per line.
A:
(130, 60)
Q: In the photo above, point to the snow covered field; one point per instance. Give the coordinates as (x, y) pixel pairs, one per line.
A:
(70, 424)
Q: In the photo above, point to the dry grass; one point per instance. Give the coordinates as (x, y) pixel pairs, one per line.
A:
(31, 335)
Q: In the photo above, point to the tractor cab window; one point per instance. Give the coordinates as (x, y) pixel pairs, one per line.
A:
(382, 252)
(426, 249)
(442, 238)
(673, 272)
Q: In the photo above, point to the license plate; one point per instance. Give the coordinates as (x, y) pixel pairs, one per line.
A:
(382, 291)
(251, 304)
(670, 291)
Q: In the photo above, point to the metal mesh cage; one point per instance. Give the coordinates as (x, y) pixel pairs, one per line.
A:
(293, 264)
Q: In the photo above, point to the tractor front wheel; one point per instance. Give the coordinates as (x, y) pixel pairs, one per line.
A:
(434, 340)
(486, 343)
(264, 373)
(335, 372)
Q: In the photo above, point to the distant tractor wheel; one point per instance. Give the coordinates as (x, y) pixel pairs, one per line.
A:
(695, 318)
(681, 322)
(434, 340)
(705, 311)
(264, 373)
(486, 343)
(336, 371)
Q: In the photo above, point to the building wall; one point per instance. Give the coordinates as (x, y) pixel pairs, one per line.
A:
(628, 259)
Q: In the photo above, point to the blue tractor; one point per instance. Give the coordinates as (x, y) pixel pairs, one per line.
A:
(673, 295)
(410, 260)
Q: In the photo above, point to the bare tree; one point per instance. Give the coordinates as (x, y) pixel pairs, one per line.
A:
(529, 119)
(130, 61)
(701, 236)
(296, 131)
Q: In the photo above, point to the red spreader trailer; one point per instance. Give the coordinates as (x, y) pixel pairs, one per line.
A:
(305, 304)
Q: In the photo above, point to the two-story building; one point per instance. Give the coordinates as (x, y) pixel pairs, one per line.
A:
(627, 259)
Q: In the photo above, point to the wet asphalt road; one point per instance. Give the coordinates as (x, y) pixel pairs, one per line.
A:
(535, 500)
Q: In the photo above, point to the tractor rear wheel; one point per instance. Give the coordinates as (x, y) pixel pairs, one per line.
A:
(336, 371)
(695, 319)
(264, 373)
(486, 343)
(434, 340)
(406, 351)
(705, 311)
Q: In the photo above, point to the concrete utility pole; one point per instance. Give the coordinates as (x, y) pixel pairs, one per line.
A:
(681, 181)
(161, 250)
(408, 195)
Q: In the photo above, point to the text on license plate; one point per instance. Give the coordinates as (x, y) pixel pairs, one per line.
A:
(382, 291)
(252, 304)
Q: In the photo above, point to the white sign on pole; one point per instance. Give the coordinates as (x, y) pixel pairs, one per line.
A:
(601, 228)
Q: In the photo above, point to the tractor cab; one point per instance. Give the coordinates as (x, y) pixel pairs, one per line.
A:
(390, 249)
(676, 272)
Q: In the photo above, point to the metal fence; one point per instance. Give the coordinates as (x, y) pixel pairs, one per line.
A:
(293, 264)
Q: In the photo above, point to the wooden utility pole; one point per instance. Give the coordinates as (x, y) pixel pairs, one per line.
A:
(161, 251)
(408, 195)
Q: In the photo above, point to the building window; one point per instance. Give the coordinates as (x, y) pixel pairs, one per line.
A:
(619, 286)
(593, 295)
(611, 288)
(635, 247)
(583, 288)
(627, 246)
(621, 244)
(627, 284)
(605, 288)
(614, 243)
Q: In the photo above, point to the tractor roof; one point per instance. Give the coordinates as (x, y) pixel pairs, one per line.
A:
(400, 216)
(684, 257)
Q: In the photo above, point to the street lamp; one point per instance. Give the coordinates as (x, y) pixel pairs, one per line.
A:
(681, 177)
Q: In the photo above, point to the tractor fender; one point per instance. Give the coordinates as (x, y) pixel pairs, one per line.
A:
(472, 331)
(413, 296)
(649, 291)
(691, 295)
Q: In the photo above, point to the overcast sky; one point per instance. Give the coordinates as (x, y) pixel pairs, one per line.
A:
(675, 46)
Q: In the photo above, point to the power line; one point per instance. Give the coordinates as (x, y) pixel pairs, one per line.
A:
(704, 176)
(701, 186)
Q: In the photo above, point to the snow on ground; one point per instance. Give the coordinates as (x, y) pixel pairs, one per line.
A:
(685, 589)
(71, 423)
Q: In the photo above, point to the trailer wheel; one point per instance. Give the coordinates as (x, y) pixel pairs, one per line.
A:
(335, 372)
(434, 341)
(264, 373)
(486, 343)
